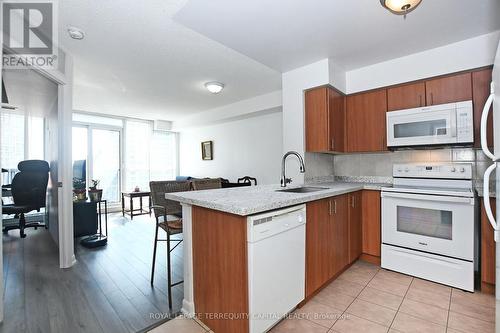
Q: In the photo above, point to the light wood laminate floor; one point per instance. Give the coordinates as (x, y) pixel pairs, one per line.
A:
(107, 290)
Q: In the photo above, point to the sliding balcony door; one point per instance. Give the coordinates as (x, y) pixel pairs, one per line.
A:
(100, 147)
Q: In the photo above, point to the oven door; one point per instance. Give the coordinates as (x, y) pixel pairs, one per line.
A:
(436, 224)
(422, 126)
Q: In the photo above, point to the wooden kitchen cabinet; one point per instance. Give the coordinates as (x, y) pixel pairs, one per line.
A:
(371, 226)
(340, 225)
(406, 96)
(448, 89)
(324, 120)
(480, 91)
(365, 125)
(319, 249)
(355, 233)
(487, 251)
(327, 245)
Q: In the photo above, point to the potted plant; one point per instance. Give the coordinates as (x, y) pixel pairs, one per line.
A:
(79, 190)
(95, 194)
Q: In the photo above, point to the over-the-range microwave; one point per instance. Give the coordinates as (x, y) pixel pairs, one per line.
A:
(445, 124)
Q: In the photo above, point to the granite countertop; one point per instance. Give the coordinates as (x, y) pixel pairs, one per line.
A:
(256, 199)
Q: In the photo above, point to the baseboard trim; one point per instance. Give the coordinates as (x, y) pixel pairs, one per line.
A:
(487, 288)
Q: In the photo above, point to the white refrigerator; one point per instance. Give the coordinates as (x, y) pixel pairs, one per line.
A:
(493, 100)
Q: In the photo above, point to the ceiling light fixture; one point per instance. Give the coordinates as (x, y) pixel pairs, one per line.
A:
(76, 33)
(214, 87)
(400, 7)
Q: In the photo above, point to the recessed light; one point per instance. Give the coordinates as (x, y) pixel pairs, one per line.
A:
(76, 33)
(214, 87)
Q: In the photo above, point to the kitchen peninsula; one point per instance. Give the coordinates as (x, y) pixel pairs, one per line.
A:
(215, 231)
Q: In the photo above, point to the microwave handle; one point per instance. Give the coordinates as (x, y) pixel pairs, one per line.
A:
(486, 199)
(453, 123)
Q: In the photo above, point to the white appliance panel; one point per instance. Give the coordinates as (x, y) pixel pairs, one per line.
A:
(436, 224)
(276, 265)
(450, 123)
(452, 272)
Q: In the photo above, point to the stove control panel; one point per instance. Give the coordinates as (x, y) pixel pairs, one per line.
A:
(447, 171)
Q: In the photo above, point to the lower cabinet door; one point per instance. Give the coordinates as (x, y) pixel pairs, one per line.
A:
(340, 217)
(319, 250)
(354, 226)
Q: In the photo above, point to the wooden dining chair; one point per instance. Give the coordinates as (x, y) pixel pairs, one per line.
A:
(247, 180)
(168, 216)
(206, 184)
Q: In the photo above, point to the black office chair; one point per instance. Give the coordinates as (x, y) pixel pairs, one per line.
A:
(29, 190)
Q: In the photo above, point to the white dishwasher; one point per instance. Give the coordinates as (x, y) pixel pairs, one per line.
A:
(276, 265)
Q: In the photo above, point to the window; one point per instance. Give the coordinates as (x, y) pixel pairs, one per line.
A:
(163, 156)
(22, 138)
(137, 144)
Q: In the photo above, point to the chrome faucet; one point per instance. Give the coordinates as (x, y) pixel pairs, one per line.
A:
(285, 180)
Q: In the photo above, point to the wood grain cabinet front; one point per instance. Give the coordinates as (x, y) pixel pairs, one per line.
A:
(324, 120)
(355, 234)
(406, 96)
(449, 89)
(487, 251)
(366, 113)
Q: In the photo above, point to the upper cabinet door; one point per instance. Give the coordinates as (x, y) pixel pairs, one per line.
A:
(449, 89)
(336, 113)
(316, 120)
(480, 91)
(407, 96)
(366, 121)
(324, 120)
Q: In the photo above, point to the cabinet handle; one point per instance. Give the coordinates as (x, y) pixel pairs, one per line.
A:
(335, 206)
(421, 100)
(330, 207)
(432, 99)
(352, 201)
(333, 144)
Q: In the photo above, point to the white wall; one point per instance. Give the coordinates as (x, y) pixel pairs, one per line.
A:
(467, 54)
(243, 147)
(294, 83)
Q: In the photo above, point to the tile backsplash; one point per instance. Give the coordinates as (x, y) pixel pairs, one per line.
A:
(380, 164)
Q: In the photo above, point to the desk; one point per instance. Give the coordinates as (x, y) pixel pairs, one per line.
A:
(140, 210)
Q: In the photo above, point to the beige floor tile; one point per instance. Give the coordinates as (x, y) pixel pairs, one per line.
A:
(395, 277)
(354, 324)
(468, 324)
(373, 312)
(179, 325)
(357, 276)
(387, 285)
(428, 297)
(424, 311)
(381, 298)
(334, 299)
(460, 296)
(409, 324)
(430, 286)
(474, 310)
(346, 287)
(360, 264)
(319, 313)
(294, 325)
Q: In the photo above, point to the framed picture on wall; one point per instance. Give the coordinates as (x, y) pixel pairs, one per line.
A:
(207, 151)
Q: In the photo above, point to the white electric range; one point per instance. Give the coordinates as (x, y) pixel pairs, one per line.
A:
(428, 223)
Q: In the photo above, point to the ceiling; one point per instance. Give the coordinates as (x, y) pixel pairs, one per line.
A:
(288, 34)
(136, 61)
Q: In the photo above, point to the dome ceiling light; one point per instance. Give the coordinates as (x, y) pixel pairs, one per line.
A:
(400, 7)
(214, 87)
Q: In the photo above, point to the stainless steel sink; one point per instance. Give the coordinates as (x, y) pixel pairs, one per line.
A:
(304, 189)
